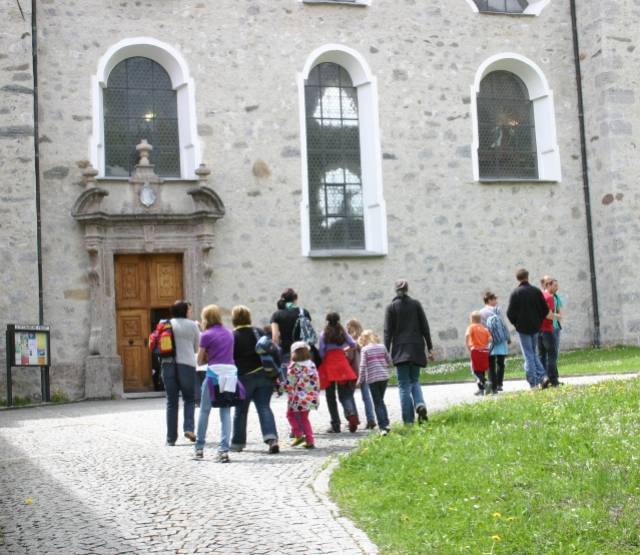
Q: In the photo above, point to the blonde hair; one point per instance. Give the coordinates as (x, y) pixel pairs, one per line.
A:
(475, 317)
(354, 328)
(210, 316)
(240, 316)
(368, 337)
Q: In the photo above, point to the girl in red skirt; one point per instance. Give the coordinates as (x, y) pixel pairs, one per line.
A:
(335, 370)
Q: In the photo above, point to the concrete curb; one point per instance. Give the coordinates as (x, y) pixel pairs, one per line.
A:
(320, 487)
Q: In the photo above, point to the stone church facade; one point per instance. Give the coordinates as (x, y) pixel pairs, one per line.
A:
(327, 146)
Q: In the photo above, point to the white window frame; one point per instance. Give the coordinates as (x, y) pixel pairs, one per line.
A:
(344, 2)
(175, 65)
(535, 8)
(549, 166)
(375, 214)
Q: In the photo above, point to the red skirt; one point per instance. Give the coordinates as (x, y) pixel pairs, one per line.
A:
(335, 368)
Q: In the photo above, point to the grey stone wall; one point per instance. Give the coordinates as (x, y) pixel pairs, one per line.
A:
(450, 237)
(610, 61)
(18, 276)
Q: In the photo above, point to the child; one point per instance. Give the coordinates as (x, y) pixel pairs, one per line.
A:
(478, 341)
(303, 391)
(335, 370)
(354, 329)
(374, 372)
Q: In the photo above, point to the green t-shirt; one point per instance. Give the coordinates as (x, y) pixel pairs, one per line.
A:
(559, 303)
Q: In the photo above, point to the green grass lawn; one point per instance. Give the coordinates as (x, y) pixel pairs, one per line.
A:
(609, 360)
(555, 471)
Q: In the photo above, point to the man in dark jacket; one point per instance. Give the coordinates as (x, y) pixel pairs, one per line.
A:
(405, 332)
(527, 310)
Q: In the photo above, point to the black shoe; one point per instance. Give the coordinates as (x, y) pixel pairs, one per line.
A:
(370, 425)
(499, 388)
(333, 430)
(545, 383)
(422, 414)
(171, 443)
(274, 448)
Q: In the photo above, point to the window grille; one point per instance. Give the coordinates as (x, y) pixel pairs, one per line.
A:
(506, 127)
(333, 159)
(140, 103)
(502, 6)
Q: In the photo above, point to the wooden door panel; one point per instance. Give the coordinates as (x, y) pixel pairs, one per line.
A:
(131, 282)
(133, 333)
(165, 280)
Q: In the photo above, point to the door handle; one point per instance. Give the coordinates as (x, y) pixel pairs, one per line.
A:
(130, 342)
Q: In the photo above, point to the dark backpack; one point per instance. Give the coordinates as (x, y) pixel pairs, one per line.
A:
(304, 328)
(499, 332)
(269, 354)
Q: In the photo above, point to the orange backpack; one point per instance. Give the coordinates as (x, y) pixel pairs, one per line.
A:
(161, 340)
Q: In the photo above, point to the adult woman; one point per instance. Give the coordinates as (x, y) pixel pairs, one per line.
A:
(258, 386)
(335, 368)
(283, 323)
(216, 350)
(179, 373)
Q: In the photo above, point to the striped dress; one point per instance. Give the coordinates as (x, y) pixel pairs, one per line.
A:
(374, 363)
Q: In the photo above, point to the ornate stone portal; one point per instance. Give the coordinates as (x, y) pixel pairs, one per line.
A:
(142, 215)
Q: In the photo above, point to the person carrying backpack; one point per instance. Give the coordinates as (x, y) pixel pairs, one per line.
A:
(176, 343)
(493, 319)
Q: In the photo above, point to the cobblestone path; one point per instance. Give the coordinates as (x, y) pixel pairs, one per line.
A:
(96, 477)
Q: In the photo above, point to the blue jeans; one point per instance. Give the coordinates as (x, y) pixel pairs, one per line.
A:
(368, 403)
(178, 378)
(533, 369)
(259, 388)
(556, 337)
(377, 392)
(410, 391)
(203, 421)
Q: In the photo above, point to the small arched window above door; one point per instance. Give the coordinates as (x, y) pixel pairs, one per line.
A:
(510, 7)
(140, 103)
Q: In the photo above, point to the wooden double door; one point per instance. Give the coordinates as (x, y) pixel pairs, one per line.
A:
(146, 286)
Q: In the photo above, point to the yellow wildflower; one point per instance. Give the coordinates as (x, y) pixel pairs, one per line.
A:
(496, 515)
(495, 538)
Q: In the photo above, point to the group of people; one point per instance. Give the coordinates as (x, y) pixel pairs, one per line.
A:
(211, 361)
(536, 315)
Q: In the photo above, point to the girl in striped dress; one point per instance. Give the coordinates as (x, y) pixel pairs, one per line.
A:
(374, 371)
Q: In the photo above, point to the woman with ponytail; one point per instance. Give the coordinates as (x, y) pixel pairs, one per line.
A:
(335, 370)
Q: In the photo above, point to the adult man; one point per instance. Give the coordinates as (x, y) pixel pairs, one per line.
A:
(549, 338)
(527, 311)
(405, 332)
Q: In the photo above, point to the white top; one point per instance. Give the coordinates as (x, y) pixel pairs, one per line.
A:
(187, 336)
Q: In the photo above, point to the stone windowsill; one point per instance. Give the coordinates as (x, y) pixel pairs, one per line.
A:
(497, 181)
(344, 253)
(361, 3)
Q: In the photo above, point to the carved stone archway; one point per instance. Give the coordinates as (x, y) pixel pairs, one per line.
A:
(141, 215)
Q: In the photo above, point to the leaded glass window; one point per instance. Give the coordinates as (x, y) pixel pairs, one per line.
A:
(506, 128)
(502, 6)
(140, 103)
(333, 159)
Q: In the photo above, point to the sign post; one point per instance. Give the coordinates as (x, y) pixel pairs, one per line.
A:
(29, 346)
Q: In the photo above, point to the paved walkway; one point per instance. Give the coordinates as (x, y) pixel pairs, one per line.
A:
(95, 477)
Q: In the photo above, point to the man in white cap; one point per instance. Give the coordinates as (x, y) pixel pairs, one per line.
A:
(406, 331)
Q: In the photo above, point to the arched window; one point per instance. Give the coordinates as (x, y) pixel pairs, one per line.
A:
(514, 123)
(142, 87)
(342, 209)
(502, 6)
(333, 158)
(506, 126)
(140, 103)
